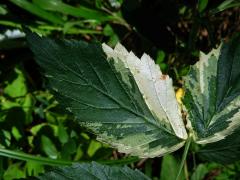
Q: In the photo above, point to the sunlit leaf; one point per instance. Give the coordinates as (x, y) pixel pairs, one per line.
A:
(16, 87)
(14, 171)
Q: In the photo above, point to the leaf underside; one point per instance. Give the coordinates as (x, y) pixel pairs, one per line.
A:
(104, 96)
(92, 171)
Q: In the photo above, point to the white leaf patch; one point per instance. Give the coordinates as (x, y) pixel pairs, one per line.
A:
(156, 88)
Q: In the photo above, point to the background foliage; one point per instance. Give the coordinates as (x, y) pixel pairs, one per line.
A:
(172, 32)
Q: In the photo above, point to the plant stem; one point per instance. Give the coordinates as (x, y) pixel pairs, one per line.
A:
(55, 162)
(28, 157)
(187, 145)
(186, 171)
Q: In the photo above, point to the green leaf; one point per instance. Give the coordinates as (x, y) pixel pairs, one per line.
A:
(93, 171)
(113, 37)
(105, 97)
(62, 134)
(14, 171)
(16, 134)
(3, 10)
(225, 151)
(27, 106)
(226, 5)
(17, 87)
(30, 7)
(202, 4)
(68, 149)
(160, 56)
(169, 168)
(81, 11)
(200, 172)
(34, 168)
(48, 147)
(93, 147)
(212, 90)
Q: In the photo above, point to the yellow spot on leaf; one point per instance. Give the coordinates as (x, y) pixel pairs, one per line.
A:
(179, 95)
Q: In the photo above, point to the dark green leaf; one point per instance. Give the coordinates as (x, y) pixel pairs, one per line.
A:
(225, 151)
(81, 11)
(226, 5)
(104, 96)
(3, 10)
(93, 171)
(30, 7)
(62, 134)
(202, 4)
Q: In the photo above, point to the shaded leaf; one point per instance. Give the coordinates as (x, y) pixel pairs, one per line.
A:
(32, 8)
(14, 171)
(170, 167)
(105, 97)
(62, 134)
(202, 4)
(48, 147)
(225, 151)
(93, 171)
(212, 90)
(200, 172)
(226, 5)
(80, 11)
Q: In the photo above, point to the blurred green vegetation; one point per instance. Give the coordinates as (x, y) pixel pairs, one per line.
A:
(31, 121)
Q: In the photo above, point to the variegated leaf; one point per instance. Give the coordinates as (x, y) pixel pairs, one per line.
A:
(225, 151)
(212, 94)
(156, 88)
(131, 108)
(92, 171)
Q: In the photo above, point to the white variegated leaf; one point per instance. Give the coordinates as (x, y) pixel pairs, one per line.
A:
(125, 101)
(155, 87)
(212, 90)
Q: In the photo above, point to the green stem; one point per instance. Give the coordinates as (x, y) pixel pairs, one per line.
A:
(42, 28)
(186, 171)
(28, 157)
(55, 162)
(187, 145)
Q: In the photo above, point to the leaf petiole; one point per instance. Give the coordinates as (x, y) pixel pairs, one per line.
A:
(56, 162)
(187, 145)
